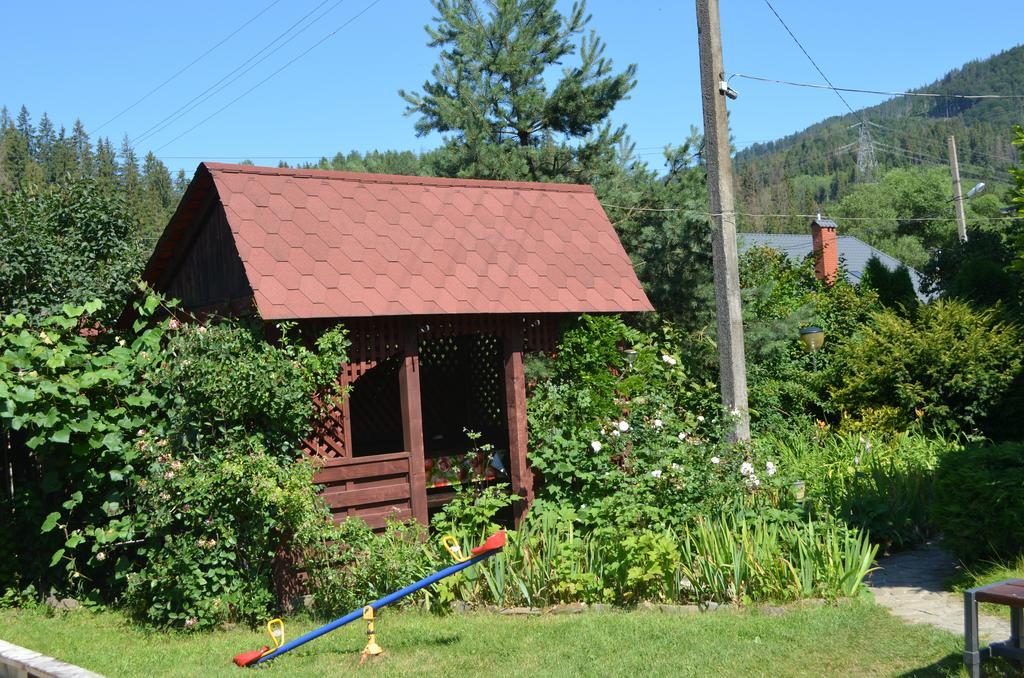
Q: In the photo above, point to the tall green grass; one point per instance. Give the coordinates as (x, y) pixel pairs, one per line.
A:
(882, 484)
(728, 558)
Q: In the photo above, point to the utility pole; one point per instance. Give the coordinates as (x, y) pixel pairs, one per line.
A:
(729, 314)
(958, 196)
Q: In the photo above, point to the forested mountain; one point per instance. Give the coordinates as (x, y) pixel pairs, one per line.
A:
(806, 171)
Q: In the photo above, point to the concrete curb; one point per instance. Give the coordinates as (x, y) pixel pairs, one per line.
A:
(20, 662)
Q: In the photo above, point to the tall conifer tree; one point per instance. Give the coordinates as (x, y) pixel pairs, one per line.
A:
(489, 96)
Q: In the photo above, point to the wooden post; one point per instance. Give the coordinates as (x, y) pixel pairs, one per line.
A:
(515, 409)
(731, 357)
(412, 421)
(958, 195)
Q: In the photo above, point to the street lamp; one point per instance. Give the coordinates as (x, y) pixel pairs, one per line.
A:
(630, 356)
(813, 338)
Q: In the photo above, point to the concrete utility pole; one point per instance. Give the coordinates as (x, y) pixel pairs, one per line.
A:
(958, 195)
(731, 358)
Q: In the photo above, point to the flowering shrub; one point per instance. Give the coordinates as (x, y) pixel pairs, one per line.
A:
(633, 443)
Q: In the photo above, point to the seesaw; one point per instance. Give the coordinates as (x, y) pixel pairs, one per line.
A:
(275, 627)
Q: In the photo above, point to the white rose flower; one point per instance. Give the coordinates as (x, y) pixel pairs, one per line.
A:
(770, 468)
(615, 432)
(716, 460)
(656, 473)
(682, 437)
(700, 418)
(595, 445)
(668, 359)
(658, 423)
(746, 469)
(623, 425)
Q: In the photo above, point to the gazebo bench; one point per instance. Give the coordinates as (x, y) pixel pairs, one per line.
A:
(1010, 593)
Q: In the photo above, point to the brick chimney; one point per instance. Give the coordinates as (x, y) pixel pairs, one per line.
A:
(826, 250)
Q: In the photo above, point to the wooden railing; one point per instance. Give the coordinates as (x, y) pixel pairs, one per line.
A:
(375, 487)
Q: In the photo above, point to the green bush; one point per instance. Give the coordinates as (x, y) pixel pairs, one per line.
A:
(69, 242)
(779, 298)
(982, 509)
(166, 461)
(358, 566)
(948, 369)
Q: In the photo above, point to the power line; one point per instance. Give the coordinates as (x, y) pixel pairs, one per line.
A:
(923, 158)
(217, 87)
(874, 91)
(286, 65)
(803, 216)
(188, 66)
(809, 58)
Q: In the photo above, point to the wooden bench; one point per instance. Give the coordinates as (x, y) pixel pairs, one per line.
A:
(1009, 593)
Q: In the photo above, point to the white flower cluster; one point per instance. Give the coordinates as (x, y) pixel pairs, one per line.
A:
(668, 359)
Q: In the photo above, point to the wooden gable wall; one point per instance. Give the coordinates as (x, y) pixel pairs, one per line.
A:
(210, 273)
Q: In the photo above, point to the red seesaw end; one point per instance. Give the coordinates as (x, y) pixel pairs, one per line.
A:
(247, 658)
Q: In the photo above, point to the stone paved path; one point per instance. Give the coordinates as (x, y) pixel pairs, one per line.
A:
(911, 585)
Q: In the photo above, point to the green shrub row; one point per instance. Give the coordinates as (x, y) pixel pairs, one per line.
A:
(981, 511)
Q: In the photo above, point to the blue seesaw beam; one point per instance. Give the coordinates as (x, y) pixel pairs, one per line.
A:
(376, 605)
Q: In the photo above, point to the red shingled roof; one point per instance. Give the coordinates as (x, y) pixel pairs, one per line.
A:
(319, 244)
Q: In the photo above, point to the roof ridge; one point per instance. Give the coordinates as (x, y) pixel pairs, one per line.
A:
(403, 179)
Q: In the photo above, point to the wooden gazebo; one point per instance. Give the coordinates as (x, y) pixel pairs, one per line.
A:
(443, 284)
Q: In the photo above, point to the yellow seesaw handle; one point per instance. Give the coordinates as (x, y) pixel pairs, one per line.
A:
(452, 545)
(275, 627)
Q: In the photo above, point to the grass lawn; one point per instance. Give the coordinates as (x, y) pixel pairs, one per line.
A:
(854, 638)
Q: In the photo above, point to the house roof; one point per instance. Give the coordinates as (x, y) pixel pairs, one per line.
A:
(853, 252)
(320, 244)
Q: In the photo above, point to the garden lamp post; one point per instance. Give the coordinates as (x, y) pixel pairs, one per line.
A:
(630, 356)
(813, 338)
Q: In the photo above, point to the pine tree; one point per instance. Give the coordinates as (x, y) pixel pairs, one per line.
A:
(489, 94)
(83, 148)
(62, 159)
(157, 197)
(17, 159)
(180, 183)
(106, 163)
(24, 126)
(128, 176)
(45, 138)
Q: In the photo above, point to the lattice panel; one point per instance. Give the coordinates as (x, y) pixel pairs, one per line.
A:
(327, 441)
(376, 409)
(461, 353)
(463, 387)
(487, 380)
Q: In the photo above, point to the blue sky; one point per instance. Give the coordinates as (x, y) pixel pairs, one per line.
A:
(91, 60)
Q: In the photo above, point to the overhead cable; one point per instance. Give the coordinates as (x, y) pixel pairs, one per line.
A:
(812, 85)
(187, 66)
(286, 65)
(231, 76)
